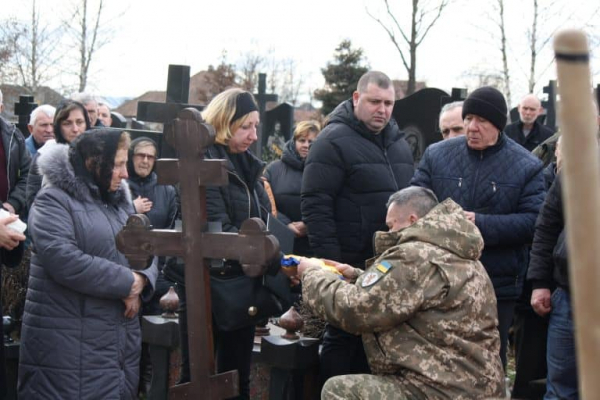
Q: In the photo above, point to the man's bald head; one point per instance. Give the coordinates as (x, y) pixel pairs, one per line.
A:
(530, 108)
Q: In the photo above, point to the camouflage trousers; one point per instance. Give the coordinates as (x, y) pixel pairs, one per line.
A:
(363, 387)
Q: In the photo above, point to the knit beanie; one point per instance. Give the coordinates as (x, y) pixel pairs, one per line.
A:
(488, 103)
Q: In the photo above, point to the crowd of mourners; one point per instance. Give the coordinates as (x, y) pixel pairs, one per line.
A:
(434, 270)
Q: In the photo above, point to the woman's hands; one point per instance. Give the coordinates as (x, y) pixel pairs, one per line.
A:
(299, 228)
(142, 205)
(133, 301)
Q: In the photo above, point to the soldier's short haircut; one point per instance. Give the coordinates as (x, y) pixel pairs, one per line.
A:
(46, 109)
(451, 106)
(376, 77)
(420, 200)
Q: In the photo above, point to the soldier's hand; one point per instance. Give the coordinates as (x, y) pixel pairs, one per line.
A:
(8, 207)
(540, 301)
(9, 238)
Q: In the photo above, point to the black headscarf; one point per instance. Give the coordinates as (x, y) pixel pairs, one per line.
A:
(98, 148)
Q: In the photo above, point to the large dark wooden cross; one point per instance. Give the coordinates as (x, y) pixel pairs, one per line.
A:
(190, 136)
(262, 97)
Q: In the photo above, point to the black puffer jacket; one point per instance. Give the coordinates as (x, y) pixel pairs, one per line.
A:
(236, 202)
(285, 178)
(539, 133)
(503, 185)
(548, 266)
(18, 161)
(347, 181)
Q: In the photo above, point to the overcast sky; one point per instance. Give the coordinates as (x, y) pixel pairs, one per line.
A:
(150, 34)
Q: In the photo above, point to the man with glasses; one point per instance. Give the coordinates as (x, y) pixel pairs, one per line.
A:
(451, 122)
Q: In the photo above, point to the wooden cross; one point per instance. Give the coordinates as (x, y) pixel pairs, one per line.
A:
(251, 246)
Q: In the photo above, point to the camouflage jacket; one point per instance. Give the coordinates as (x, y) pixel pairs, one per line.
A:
(426, 308)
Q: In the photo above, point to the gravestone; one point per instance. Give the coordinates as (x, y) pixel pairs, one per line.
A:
(262, 98)
(189, 135)
(550, 105)
(417, 116)
(280, 121)
(23, 109)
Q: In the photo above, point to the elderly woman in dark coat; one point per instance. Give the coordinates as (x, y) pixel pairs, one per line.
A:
(158, 202)
(81, 336)
(285, 179)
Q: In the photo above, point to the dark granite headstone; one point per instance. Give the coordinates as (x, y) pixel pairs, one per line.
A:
(23, 110)
(417, 115)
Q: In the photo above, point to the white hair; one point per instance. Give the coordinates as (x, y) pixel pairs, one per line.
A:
(0, 97)
(44, 108)
(84, 98)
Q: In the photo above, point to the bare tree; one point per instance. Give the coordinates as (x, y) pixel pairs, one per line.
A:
(36, 56)
(11, 31)
(503, 49)
(533, 46)
(423, 18)
(291, 83)
(89, 34)
(248, 68)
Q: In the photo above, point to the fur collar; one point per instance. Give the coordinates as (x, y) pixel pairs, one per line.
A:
(58, 171)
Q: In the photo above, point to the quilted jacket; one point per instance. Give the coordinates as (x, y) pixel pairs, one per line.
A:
(504, 186)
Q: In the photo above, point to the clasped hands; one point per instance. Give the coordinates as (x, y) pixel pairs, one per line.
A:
(133, 300)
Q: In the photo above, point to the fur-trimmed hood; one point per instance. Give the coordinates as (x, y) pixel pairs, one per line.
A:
(58, 171)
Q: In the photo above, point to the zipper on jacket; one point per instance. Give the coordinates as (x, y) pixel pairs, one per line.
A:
(387, 161)
(247, 192)
(460, 182)
(493, 186)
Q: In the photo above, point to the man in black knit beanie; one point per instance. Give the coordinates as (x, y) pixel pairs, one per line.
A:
(499, 184)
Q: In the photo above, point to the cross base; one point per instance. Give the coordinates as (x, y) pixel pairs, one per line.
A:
(220, 386)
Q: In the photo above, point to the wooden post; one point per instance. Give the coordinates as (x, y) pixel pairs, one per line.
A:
(581, 194)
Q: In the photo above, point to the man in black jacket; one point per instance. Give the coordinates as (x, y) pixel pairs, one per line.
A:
(359, 159)
(549, 276)
(528, 132)
(13, 174)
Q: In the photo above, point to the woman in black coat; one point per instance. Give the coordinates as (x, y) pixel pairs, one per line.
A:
(285, 179)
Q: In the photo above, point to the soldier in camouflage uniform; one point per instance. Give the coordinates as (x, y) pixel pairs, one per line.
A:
(426, 308)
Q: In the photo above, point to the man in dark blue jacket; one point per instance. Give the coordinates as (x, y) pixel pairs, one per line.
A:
(359, 159)
(500, 186)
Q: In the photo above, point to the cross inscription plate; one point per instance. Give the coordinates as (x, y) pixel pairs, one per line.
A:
(251, 246)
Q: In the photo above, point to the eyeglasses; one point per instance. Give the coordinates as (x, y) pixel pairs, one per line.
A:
(455, 129)
(143, 156)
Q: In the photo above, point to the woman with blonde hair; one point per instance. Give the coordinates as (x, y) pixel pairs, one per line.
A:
(285, 179)
(234, 115)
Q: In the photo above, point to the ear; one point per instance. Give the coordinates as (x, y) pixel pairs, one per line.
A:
(355, 97)
(412, 218)
(30, 128)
